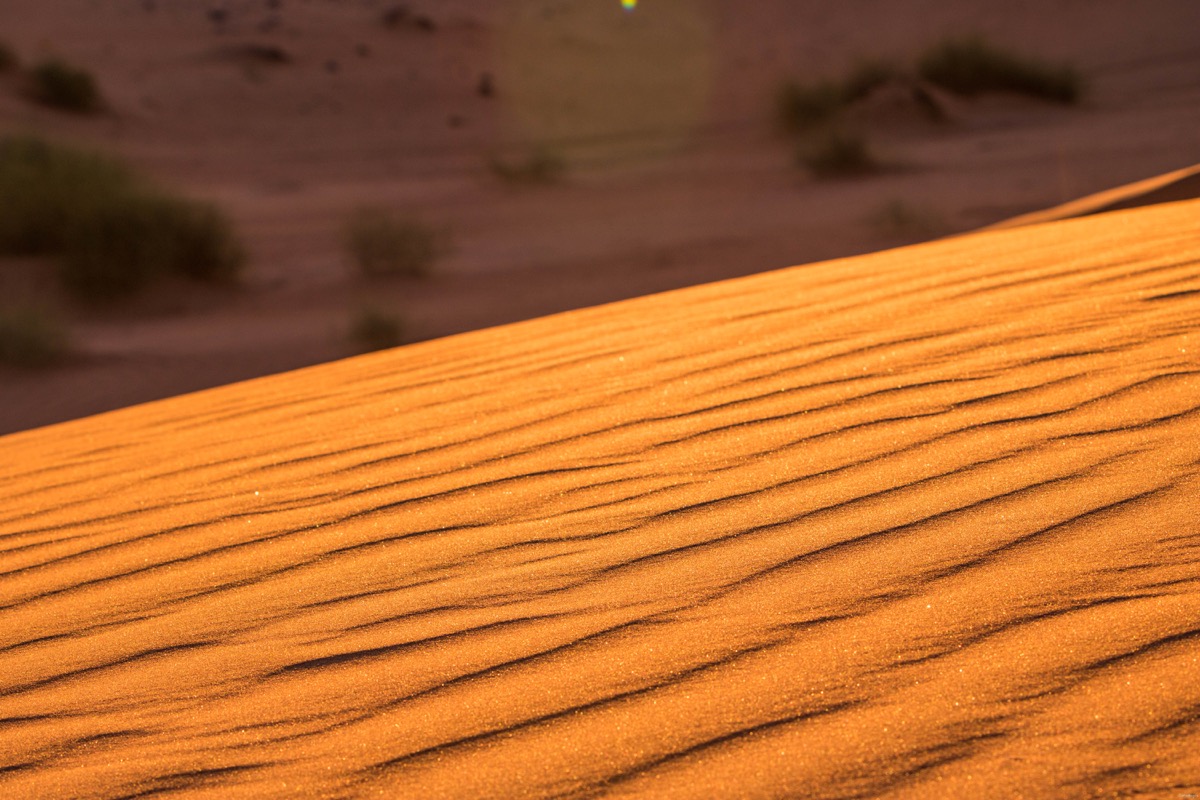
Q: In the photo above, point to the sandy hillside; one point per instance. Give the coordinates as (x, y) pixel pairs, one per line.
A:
(914, 524)
(292, 114)
(1180, 184)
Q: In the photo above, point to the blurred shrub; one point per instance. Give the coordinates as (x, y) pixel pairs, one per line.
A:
(399, 16)
(45, 187)
(803, 106)
(540, 167)
(113, 232)
(372, 329)
(970, 66)
(838, 154)
(800, 107)
(57, 84)
(32, 337)
(898, 217)
(965, 66)
(384, 245)
(128, 242)
(8, 59)
(206, 246)
(257, 53)
(866, 77)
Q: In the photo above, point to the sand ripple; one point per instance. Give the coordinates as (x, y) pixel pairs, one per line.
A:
(922, 523)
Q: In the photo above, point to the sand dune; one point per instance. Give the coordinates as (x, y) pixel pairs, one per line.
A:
(1172, 187)
(915, 524)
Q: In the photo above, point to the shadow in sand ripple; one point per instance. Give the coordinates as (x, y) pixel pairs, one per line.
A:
(918, 523)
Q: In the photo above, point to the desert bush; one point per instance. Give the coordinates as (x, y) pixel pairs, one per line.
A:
(136, 238)
(541, 166)
(116, 250)
(372, 329)
(385, 245)
(971, 65)
(205, 246)
(60, 85)
(45, 186)
(8, 59)
(838, 154)
(898, 217)
(257, 53)
(402, 16)
(32, 337)
(865, 77)
(803, 106)
(112, 230)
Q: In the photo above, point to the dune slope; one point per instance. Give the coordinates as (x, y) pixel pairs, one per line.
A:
(1171, 187)
(921, 523)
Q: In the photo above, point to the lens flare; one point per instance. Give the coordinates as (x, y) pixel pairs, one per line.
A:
(629, 5)
(599, 84)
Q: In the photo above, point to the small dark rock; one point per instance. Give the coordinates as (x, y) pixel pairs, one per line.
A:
(253, 54)
(265, 53)
(396, 16)
(486, 86)
(402, 16)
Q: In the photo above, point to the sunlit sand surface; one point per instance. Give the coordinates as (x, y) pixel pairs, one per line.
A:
(924, 523)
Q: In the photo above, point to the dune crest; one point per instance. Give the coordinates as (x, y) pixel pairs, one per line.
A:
(920, 523)
(1171, 187)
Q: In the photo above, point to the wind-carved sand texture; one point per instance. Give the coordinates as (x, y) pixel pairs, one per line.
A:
(916, 524)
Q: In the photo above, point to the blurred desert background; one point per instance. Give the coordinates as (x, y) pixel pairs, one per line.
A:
(545, 156)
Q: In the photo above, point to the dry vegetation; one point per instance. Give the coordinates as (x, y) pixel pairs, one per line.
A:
(384, 245)
(58, 84)
(838, 154)
(111, 231)
(8, 59)
(901, 218)
(32, 337)
(965, 66)
(804, 106)
(971, 65)
(374, 329)
(540, 167)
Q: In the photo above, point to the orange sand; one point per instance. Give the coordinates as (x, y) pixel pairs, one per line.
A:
(916, 524)
(1180, 184)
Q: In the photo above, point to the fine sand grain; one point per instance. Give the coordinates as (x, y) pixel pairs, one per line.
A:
(922, 523)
